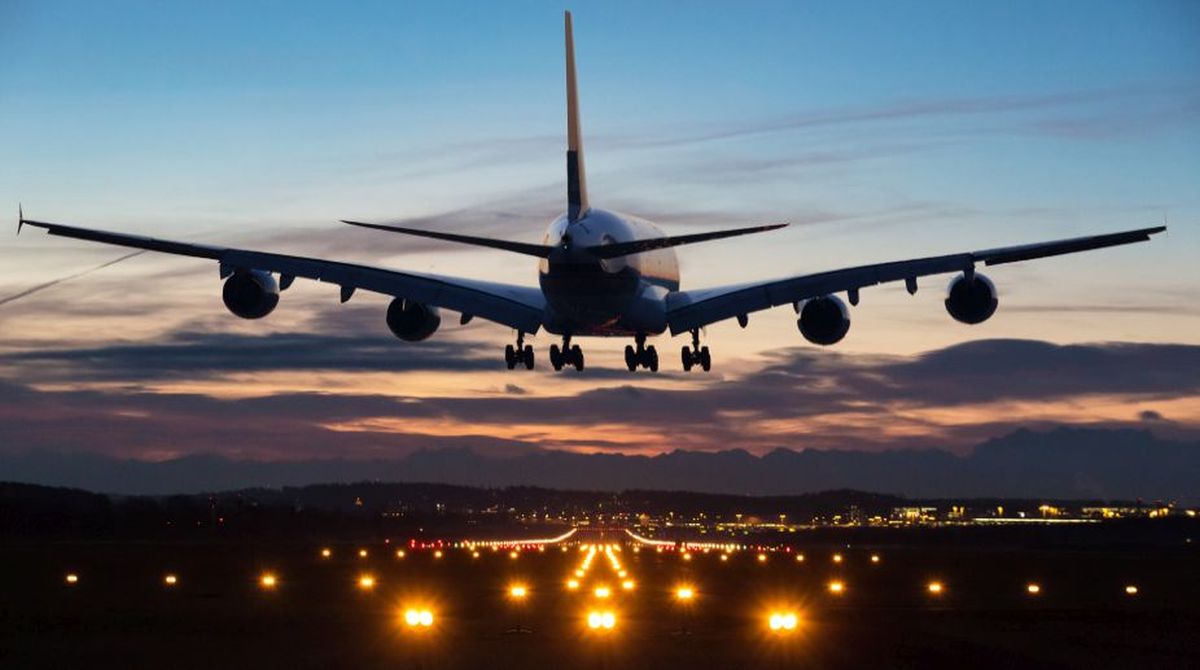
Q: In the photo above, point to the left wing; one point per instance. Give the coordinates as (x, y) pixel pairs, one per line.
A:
(518, 307)
(693, 309)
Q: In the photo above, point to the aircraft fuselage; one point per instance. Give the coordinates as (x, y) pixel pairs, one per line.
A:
(623, 296)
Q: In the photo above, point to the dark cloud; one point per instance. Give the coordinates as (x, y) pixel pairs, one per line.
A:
(1150, 415)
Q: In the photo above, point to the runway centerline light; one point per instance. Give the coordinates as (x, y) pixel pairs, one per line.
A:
(1131, 590)
(874, 558)
(170, 580)
(1033, 589)
(72, 578)
(837, 558)
(268, 581)
(326, 553)
(935, 588)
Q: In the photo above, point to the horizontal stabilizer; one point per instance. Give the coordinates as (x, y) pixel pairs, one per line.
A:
(541, 251)
(619, 249)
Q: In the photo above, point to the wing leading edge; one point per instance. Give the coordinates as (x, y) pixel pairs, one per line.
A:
(693, 309)
(518, 307)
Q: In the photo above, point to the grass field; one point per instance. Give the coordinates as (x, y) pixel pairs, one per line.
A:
(121, 613)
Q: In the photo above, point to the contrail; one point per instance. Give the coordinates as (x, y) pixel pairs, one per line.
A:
(54, 282)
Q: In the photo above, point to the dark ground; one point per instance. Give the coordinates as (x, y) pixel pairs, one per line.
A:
(121, 615)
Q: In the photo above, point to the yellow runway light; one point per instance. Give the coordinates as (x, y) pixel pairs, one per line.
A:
(512, 554)
(685, 593)
(799, 558)
(326, 553)
(518, 591)
(837, 558)
(72, 578)
(837, 588)
(601, 620)
(362, 553)
(437, 554)
(366, 582)
(268, 581)
(874, 558)
(762, 558)
(572, 584)
(627, 584)
(1131, 590)
(1033, 589)
(602, 592)
(399, 553)
(724, 557)
(170, 580)
(934, 588)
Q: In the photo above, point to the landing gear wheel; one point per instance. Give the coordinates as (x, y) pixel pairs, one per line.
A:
(556, 357)
(510, 356)
(686, 356)
(631, 358)
(527, 356)
(652, 355)
(705, 359)
(577, 358)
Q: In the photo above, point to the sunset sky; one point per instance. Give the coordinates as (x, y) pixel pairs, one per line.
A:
(880, 131)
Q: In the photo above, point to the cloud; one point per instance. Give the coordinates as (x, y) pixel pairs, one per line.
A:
(1150, 415)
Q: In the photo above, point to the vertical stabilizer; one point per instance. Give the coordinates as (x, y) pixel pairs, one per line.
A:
(577, 200)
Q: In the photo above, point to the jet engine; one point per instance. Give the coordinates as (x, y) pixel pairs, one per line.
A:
(251, 294)
(971, 299)
(824, 320)
(412, 321)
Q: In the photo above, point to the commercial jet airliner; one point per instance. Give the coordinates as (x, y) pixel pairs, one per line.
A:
(601, 274)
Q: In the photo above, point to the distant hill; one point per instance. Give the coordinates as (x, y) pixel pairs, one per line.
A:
(1061, 463)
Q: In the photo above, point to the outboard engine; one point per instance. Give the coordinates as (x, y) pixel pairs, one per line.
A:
(251, 294)
(971, 300)
(824, 320)
(412, 321)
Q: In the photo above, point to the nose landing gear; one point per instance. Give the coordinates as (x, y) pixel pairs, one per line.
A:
(521, 353)
(568, 355)
(696, 354)
(646, 357)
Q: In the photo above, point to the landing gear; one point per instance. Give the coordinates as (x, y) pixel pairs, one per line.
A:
(646, 357)
(696, 354)
(521, 353)
(568, 355)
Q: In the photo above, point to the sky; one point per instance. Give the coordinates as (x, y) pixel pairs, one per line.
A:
(879, 130)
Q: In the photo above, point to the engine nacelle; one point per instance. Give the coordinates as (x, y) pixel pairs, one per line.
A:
(971, 300)
(412, 321)
(824, 320)
(251, 294)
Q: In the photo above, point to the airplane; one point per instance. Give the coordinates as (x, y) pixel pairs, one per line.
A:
(600, 274)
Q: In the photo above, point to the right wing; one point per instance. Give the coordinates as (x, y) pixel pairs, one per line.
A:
(693, 309)
(518, 307)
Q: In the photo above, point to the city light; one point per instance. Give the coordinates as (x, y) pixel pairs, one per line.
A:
(935, 588)
(782, 622)
(170, 580)
(268, 581)
(837, 588)
(685, 593)
(418, 618)
(1131, 590)
(1033, 589)
(366, 582)
(72, 578)
(601, 620)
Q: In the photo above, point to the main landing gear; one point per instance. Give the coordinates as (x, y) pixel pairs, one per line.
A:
(696, 354)
(646, 357)
(521, 353)
(568, 355)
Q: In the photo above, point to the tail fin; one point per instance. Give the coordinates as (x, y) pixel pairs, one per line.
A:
(577, 200)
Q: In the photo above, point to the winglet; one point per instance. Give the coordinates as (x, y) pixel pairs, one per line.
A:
(20, 217)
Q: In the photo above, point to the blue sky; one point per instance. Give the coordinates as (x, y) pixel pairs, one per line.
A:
(882, 130)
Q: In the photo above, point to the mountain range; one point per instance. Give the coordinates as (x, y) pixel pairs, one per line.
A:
(1060, 463)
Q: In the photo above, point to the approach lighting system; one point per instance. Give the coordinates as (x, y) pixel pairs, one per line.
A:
(72, 578)
(268, 581)
(1033, 589)
(1131, 590)
(934, 588)
(685, 594)
(602, 592)
(366, 582)
(601, 620)
(170, 580)
(326, 552)
(782, 622)
(837, 588)
(418, 618)
(518, 592)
